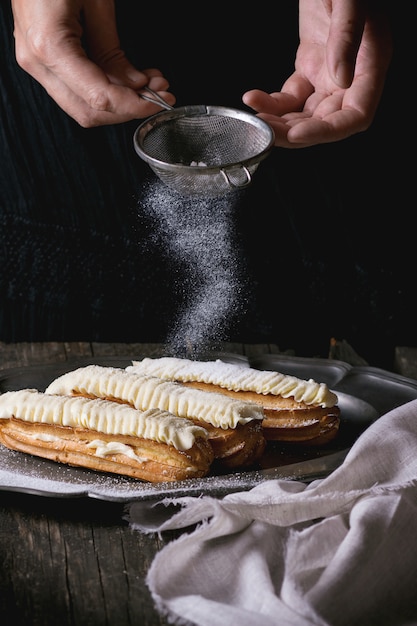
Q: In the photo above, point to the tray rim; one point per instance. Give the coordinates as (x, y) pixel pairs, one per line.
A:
(349, 368)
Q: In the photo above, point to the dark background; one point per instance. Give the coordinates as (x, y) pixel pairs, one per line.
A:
(325, 234)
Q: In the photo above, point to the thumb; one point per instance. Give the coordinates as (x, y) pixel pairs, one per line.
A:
(347, 22)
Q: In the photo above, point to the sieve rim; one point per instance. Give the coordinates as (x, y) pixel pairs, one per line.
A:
(199, 110)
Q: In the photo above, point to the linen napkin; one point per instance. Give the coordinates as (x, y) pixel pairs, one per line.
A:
(339, 551)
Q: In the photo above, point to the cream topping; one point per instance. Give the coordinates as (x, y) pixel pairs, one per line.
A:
(146, 391)
(106, 448)
(102, 448)
(237, 378)
(100, 415)
(42, 437)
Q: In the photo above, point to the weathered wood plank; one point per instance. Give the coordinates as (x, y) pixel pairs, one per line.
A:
(154, 350)
(21, 354)
(258, 349)
(73, 562)
(134, 350)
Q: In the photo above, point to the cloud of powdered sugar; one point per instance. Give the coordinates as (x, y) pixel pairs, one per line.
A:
(199, 234)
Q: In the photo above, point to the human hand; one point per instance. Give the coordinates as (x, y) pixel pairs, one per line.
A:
(341, 64)
(96, 85)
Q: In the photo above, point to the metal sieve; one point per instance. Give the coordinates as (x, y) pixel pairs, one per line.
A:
(203, 150)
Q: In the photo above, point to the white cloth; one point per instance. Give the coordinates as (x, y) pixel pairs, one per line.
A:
(341, 551)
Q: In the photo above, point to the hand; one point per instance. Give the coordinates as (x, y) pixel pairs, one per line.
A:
(97, 87)
(342, 60)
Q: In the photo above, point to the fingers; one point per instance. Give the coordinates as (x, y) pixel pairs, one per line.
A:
(293, 96)
(323, 118)
(274, 104)
(333, 127)
(92, 99)
(104, 103)
(303, 131)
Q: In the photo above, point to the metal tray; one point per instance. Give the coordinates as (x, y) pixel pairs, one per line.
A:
(364, 395)
(381, 389)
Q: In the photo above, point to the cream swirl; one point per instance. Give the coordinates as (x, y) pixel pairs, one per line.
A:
(145, 391)
(237, 378)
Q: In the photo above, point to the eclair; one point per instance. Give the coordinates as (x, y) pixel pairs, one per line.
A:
(105, 436)
(296, 410)
(234, 426)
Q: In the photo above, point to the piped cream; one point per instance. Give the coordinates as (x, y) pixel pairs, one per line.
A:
(99, 415)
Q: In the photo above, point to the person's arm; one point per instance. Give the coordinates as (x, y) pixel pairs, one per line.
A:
(95, 86)
(341, 64)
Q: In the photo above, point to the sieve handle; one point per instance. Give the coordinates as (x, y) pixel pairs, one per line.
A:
(155, 98)
(240, 185)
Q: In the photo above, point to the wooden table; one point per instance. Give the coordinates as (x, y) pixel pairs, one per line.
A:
(76, 561)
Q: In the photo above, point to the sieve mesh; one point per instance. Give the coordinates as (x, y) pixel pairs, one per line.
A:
(204, 150)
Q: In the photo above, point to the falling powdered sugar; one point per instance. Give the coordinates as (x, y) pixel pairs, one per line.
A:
(199, 233)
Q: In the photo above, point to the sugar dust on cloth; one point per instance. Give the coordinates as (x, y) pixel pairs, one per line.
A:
(199, 234)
